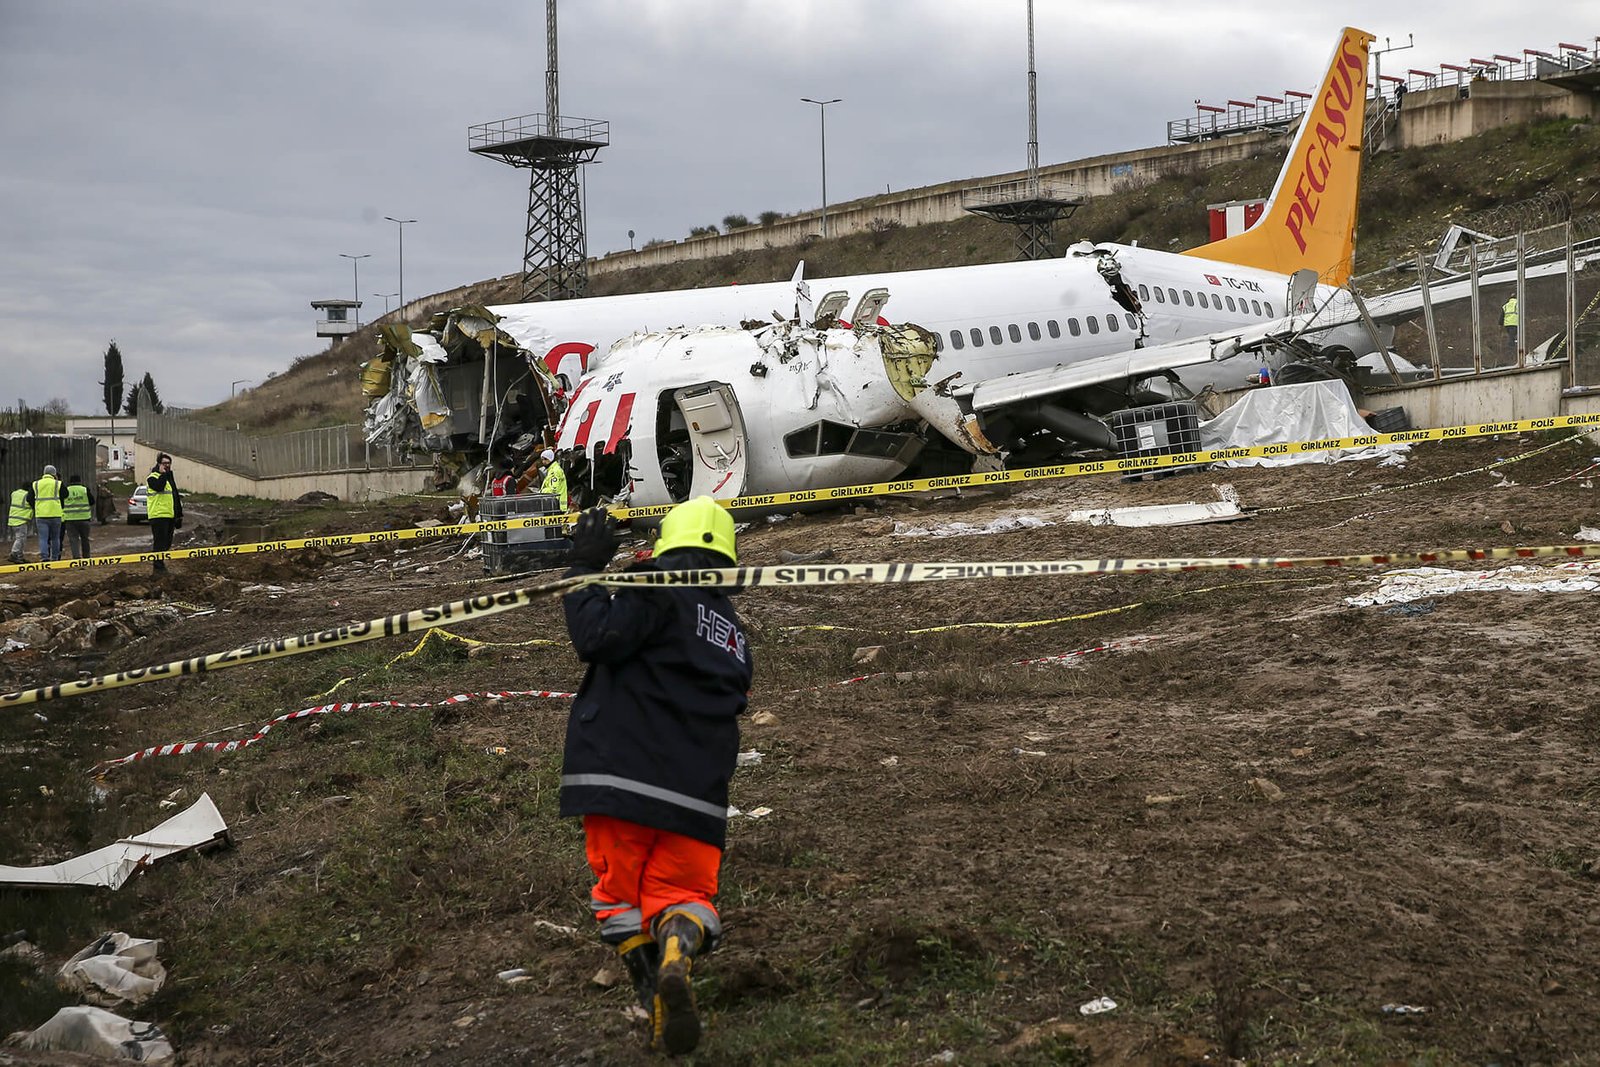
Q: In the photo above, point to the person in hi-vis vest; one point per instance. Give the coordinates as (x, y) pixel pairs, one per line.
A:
(1510, 320)
(164, 507)
(77, 511)
(45, 496)
(19, 519)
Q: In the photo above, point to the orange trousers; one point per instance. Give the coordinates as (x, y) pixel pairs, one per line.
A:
(651, 870)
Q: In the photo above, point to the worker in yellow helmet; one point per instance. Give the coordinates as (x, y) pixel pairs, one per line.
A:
(652, 740)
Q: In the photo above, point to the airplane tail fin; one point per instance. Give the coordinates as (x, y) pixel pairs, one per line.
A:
(1310, 219)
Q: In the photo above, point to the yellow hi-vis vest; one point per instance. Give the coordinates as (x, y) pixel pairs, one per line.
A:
(158, 505)
(76, 507)
(47, 498)
(555, 481)
(21, 511)
(1508, 313)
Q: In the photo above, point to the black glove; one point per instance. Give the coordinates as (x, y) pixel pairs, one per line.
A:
(594, 540)
(177, 523)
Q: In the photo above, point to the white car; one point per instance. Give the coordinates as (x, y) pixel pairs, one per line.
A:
(137, 510)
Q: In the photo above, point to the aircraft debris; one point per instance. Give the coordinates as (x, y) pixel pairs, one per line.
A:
(200, 826)
(100, 1033)
(115, 969)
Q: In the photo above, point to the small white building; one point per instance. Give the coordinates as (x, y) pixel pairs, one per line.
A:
(113, 438)
(337, 320)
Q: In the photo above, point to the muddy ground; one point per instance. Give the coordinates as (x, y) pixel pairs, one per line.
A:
(1258, 819)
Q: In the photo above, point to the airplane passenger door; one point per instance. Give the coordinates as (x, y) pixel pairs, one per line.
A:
(717, 443)
(867, 310)
(1302, 292)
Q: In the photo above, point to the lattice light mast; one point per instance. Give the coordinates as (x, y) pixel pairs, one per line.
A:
(1030, 205)
(552, 147)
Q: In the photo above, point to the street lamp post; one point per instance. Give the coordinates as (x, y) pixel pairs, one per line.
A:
(401, 225)
(386, 297)
(822, 112)
(233, 388)
(355, 267)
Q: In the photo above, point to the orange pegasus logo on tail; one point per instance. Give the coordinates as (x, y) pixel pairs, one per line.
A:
(1310, 220)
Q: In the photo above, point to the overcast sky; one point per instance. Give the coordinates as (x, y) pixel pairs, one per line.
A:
(182, 175)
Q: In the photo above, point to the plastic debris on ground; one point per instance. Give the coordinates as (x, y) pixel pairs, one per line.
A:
(1188, 514)
(100, 1033)
(749, 759)
(1419, 583)
(1403, 1009)
(1004, 524)
(1097, 1006)
(1586, 533)
(198, 826)
(115, 969)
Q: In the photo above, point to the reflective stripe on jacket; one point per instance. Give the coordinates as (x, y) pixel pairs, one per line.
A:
(47, 498)
(76, 508)
(21, 511)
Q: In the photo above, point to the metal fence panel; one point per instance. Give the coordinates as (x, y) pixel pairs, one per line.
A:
(322, 450)
(23, 459)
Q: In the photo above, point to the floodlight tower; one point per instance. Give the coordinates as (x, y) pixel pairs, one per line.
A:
(1031, 205)
(552, 147)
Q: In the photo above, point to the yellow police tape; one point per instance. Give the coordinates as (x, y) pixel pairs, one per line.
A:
(1137, 464)
(486, 604)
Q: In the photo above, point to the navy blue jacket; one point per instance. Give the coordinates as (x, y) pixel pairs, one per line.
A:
(653, 735)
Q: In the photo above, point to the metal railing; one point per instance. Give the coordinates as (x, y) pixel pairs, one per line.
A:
(323, 450)
(490, 135)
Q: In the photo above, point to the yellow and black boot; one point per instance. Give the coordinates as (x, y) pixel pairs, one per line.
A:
(679, 935)
(642, 957)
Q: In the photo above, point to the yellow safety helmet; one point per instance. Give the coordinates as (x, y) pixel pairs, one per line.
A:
(698, 523)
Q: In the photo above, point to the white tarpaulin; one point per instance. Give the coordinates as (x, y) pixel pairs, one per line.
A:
(198, 825)
(115, 969)
(100, 1033)
(1308, 411)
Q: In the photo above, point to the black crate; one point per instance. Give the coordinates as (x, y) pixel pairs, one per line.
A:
(1389, 420)
(1156, 429)
(509, 551)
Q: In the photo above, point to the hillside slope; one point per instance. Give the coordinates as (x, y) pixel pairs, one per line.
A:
(1407, 199)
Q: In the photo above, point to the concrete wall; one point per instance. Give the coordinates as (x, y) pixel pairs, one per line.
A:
(1436, 116)
(1496, 396)
(1095, 176)
(195, 476)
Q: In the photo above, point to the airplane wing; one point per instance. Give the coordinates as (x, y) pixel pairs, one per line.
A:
(993, 393)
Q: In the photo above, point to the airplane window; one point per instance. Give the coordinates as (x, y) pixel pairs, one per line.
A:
(1072, 325)
(802, 442)
(1112, 324)
(834, 438)
(994, 335)
(1172, 294)
(1094, 323)
(1255, 307)
(1160, 297)
(1033, 331)
(1230, 304)
(1133, 323)
(956, 341)
(1144, 291)
(1054, 330)
(1216, 301)
(1270, 315)
(1015, 332)
(977, 337)
(878, 444)
(938, 343)
(1188, 298)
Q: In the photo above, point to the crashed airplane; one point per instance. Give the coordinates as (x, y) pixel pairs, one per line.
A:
(1006, 363)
